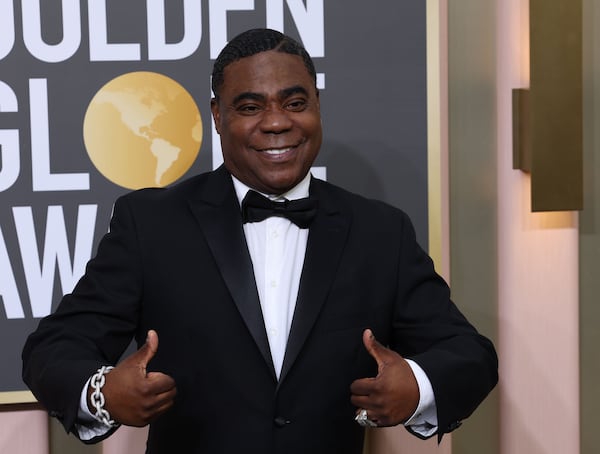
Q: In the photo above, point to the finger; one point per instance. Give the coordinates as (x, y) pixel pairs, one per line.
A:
(160, 382)
(166, 398)
(160, 408)
(162, 399)
(362, 402)
(375, 349)
(373, 400)
(159, 403)
(362, 386)
(148, 350)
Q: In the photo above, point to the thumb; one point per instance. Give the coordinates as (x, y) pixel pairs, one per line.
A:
(375, 349)
(148, 350)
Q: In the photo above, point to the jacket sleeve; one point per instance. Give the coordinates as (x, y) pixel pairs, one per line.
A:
(429, 328)
(91, 327)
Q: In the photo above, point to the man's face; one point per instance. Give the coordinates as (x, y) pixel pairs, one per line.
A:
(269, 120)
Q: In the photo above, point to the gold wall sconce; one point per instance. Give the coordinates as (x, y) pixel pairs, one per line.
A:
(548, 117)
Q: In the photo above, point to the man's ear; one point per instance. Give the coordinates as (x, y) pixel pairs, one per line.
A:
(216, 114)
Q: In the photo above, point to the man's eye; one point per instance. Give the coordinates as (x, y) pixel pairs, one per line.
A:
(296, 105)
(248, 108)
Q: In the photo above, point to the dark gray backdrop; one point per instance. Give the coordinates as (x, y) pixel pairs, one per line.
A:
(373, 106)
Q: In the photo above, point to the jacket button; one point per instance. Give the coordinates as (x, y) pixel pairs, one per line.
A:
(280, 421)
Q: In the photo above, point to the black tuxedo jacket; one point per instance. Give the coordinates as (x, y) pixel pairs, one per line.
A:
(176, 260)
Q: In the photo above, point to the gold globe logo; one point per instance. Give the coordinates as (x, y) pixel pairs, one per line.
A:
(142, 129)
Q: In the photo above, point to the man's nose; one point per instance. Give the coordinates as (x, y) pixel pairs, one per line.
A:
(275, 120)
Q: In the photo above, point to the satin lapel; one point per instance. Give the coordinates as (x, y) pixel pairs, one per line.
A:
(326, 241)
(217, 211)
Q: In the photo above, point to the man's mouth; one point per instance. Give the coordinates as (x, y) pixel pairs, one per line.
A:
(276, 151)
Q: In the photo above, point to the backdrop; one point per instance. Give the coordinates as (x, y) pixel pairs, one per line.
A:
(100, 97)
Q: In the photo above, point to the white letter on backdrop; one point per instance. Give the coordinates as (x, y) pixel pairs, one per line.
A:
(9, 294)
(32, 31)
(158, 48)
(7, 25)
(309, 20)
(42, 179)
(217, 17)
(39, 271)
(100, 48)
(10, 160)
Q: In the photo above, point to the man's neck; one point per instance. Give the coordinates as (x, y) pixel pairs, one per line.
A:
(297, 192)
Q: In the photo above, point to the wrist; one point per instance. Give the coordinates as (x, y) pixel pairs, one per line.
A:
(96, 399)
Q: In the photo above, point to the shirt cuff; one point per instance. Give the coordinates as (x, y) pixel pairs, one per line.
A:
(424, 420)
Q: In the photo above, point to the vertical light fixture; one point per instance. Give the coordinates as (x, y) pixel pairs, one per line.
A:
(547, 117)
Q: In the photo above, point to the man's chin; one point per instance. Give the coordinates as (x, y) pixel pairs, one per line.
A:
(280, 185)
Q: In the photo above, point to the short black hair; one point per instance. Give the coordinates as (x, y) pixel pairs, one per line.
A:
(253, 42)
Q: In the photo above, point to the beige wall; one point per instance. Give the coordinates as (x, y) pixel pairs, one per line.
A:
(502, 254)
(589, 237)
(538, 285)
(473, 195)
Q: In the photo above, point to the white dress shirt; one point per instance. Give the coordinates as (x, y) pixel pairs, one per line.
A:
(277, 247)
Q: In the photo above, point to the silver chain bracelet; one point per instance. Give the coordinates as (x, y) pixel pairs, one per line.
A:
(97, 398)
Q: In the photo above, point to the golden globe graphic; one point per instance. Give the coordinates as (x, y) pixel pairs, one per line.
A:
(142, 129)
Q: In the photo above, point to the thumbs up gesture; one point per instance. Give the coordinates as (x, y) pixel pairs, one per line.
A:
(133, 396)
(392, 396)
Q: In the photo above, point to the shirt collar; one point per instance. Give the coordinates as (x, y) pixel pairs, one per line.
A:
(297, 192)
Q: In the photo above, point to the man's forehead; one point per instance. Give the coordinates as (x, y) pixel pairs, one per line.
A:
(269, 71)
(264, 60)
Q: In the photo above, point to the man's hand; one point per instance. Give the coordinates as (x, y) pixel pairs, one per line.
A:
(392, 396)
(133, 396)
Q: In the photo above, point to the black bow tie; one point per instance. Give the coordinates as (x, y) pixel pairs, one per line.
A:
(256, 208)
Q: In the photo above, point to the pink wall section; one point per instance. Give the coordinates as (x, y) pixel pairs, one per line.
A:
(127, 440)
(24, 432)
(538, 283)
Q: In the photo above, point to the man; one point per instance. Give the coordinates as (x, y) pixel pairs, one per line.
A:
(275, 334)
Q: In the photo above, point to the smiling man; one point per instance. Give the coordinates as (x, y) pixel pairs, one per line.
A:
(291, 313)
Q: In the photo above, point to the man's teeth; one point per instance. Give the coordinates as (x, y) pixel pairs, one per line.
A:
(276, 151)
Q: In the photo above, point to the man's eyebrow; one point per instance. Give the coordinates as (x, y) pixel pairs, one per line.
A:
(248, 96)
(296, 89)
(283, 94)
